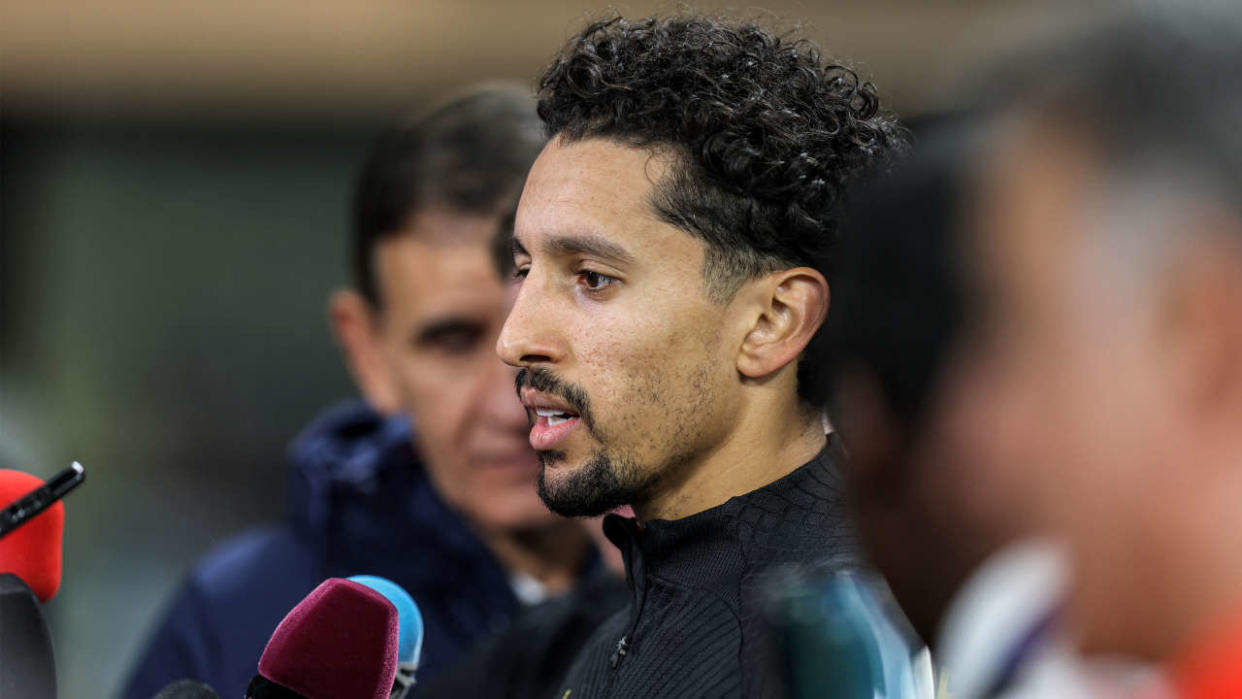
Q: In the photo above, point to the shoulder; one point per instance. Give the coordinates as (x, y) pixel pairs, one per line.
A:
(239, 591)
(799, 519)
(254, 564)
(219, 619)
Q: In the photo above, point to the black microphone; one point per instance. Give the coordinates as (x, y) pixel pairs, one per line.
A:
(27, 665)
(187, 689)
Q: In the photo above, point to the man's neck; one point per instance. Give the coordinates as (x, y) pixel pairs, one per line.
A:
(553, 554)
(767, 447)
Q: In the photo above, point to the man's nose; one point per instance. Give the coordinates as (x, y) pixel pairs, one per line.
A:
(530, 335)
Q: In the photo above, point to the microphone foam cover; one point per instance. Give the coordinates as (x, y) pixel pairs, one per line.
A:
(32, 552)
(410, 619)
(340, 642)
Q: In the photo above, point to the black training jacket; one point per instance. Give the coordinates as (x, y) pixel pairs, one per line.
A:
(692, 626)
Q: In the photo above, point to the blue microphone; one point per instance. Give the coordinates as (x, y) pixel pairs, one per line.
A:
(410, 635)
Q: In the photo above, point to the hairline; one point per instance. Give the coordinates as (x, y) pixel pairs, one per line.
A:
(720, 289)
(410, 231)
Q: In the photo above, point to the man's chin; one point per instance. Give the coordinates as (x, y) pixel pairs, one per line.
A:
(573, 507)
(587, 489)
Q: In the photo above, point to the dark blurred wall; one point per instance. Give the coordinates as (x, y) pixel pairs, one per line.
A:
(162, 320)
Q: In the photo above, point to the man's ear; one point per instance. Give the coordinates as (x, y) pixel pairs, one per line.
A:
(355, 325)
(791, 305)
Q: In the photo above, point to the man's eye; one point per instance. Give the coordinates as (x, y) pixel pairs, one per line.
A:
(594, 281)
(453, 341)
(521, 272)
(459, 342)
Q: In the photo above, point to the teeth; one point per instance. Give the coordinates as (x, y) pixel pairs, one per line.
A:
(555, 417)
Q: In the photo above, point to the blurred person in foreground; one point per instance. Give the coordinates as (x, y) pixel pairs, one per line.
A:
(940, 507)
(670, 245)
(430, 482)
(1110, 247)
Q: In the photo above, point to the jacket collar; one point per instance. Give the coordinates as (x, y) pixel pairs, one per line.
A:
(791, 520)
(348, 447)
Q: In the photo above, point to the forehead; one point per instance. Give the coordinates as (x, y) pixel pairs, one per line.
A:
(596, 187)
(439, 263)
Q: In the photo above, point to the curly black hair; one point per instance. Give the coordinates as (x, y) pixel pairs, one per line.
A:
(766, 133)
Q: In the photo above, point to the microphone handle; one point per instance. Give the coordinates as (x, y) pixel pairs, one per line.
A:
(27, 664)
(262, 688)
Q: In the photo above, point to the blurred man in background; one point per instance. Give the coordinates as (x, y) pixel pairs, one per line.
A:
(670, 244)
(1112, 209)
(430, 482)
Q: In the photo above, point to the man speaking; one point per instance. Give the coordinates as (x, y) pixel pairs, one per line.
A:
(672, 247)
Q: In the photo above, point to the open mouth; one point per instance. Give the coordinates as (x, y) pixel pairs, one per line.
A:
(551, 426)
(554, 417)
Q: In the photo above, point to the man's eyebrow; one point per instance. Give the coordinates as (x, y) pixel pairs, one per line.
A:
(588, 244)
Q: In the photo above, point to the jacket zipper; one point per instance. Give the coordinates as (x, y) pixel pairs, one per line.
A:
(623, 645)
(637, 578)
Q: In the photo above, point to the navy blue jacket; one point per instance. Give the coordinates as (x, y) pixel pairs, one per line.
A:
(359, 502)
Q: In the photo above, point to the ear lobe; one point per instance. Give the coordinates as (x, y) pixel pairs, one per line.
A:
(355, 327)
(793, 304)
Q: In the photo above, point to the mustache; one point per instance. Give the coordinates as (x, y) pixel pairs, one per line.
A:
(545, 381)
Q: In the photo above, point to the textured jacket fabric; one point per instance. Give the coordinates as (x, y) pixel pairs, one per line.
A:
(692, 626)
(359, 502)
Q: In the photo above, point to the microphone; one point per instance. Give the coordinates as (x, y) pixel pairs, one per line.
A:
(840, 634)
(30, 566)
(340, 642)
(187, 689)
(410, 630)
(41, 498)
(27, 663)
(31, 550)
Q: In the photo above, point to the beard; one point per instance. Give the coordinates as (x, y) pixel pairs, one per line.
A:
(600, 485)
(611, 476)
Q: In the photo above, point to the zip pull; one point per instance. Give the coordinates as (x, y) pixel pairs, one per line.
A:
(622, 646)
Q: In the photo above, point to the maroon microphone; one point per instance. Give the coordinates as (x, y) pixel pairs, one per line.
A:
(338, 643)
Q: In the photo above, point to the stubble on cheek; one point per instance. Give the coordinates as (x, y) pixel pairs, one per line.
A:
(662, 412)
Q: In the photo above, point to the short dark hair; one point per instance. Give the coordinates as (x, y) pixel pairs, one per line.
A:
(469, 154)
(766, 134)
